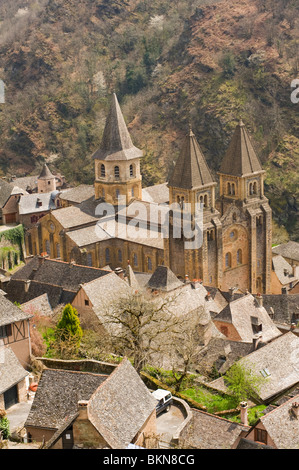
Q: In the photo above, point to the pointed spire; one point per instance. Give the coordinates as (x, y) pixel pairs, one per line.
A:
(46, 173)
(191, 170)
(116, 142)
(164, 279)
(240, 158)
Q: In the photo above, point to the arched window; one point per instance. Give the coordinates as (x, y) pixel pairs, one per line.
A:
(250, 189)
(135, 260)
(205, 200)
(255, 188)
(131, 170)
(149, 264)
(228, 260)
(229, 190)
(48, 250)
(239, 256)
(233, 189)
(103, 172)
(120, 256)
(107, 255)
(117, 193)
(58, 250)
(116, 171)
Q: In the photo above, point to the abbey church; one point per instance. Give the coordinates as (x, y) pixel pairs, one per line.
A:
(236, 245)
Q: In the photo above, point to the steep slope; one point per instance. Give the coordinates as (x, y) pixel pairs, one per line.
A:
(202, 62)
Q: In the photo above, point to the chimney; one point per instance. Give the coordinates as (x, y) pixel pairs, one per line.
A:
(295, 409)
(284, 290)
(244, 413)
(82, 409)
(186, 278)
(232, 293)
(119, 272)
(26, 286)
(259, 299)
(256, 340)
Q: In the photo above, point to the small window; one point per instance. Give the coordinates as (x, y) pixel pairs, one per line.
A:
(131, 170)
(228, 260)
(260, 435)
(116, 171)
(149, 264)
(265, 373)
(135, 259)
(239, 256)
(86, 302)
(103, 171)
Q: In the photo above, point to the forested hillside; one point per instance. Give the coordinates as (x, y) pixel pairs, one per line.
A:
(171, 63)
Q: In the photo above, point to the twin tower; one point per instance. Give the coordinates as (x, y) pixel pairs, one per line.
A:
(237, 233)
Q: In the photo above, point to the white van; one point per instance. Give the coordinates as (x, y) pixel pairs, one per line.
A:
(164, 399)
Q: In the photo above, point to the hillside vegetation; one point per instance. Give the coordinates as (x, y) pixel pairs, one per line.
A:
(171, 63)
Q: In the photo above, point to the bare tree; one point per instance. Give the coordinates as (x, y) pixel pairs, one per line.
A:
(142, 325)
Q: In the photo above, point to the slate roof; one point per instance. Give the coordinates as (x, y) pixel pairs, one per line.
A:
(39, 305)
(207, 431)
(240, 313)
(285, 307)
(57, 396)
(78, 194)
(26, 182)
(10, 313)
(103, 291)
(28, 204)
(287, 250)
(101, 231)
(116, 142)
(240, 158)
(283, 270)
(164, 279)
(5, 192)
(191, 169)
(283, 426)
(280, 359)
(120, 406)
(45, 173)
(71, 217)
(58, 279)
(158, 193)
(248, 444)
(11, 370)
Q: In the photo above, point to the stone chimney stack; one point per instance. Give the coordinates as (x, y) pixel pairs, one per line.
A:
(120, 272)
(82, 409)
(232, 294)
(295, 409)
(259, 299)
(256, 340)
(244, 413)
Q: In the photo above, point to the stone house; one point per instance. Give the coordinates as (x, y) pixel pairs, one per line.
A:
(41, 275)
(14, 330)
(283, 276)
(207, 431)
(289, 251)
(245, 319)
(13, 379)
(80, 409)
(277, 364)
(278, 428)
(9, 198)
